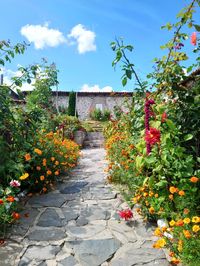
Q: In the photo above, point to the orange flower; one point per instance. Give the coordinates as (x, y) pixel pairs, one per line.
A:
(145, 194)
(38, 168)
(1, 201)
(151, 210)
(160, 243)
(156, 195)
(44, 162)
(171, 196)
(186, 233)
(175, 261)
(181, 193)
(42, 177)
(27, 156)
(44, 189)
(173, 190)
(56, 173)
(179, 223)
(56, 162)
(171, 253)
(194, 179)
(186, 211)
(49, 172)
(15, 215)
(38, 151)
(193, 38)
(10, 199)
(158, 232)
(52, 159)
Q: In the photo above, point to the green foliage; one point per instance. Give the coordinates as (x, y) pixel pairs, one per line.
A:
(99, 115)
(72, 104)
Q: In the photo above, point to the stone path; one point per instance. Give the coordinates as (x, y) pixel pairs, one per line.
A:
(77, 225)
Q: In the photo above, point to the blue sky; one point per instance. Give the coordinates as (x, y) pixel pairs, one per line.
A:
(75, 34)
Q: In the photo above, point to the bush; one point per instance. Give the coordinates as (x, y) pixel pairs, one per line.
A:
(98, 115)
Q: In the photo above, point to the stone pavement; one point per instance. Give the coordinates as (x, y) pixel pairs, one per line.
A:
(77, 225)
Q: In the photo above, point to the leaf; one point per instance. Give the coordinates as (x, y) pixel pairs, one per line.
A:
(2, 62)
(155, 124)
(139, 162)
(129, 73)
(124, 81)
(188, 137)
(197, 27)
(170, 124)
(129, 47)
(162, 183)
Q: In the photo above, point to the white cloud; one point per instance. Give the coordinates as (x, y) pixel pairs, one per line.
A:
(8, 74)
(43, 36)
(95, 88)
(85, 38)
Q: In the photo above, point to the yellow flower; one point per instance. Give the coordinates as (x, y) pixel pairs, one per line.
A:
(186, 220)
(23, 177)
(27, 157)
(42, 177)
(52, 159)
(196, 219)
(156, 195)
(38, 151)
(160, 243)
(171, 196)
(151, 210)
(180, 245)
(195, 228)
(172, 223)
(157, 232)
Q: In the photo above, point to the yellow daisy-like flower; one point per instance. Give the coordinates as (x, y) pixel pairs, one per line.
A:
(196, 219)
(160, 243)
(186, 220)
(172, 223)
(158, 232)
(23, 177)
(196, 228)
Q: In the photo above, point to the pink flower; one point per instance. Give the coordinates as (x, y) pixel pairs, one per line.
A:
(193, 38)
(126, 214)
(14, 183)
(152, 136)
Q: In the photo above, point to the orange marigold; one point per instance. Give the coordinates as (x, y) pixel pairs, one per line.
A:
(151, 210)
(173, 190)
(38, 151)
(42, 177)
(27, 156)
(15, 215)
(175, 261)
(181, 193)
(10, 199)
(56, 173)
(179, 223)
(187, 233)
(49, 172)
(194, 179)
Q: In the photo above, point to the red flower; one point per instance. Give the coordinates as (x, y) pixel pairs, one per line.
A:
(164, 117)
(1, 201)
(126, 214)
(193, 38)
(152, 136)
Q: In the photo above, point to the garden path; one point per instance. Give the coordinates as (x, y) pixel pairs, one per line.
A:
(78, 224)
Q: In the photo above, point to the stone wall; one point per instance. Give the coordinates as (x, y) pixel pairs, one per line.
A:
(85, 103)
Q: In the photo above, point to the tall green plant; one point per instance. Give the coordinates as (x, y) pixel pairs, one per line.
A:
(72, 104)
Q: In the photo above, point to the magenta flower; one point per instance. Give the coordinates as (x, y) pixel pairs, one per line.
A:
(126, 214)
(152, 136)
(14, 183)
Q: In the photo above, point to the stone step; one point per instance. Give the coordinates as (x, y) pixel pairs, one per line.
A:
(94, 136)
(93, 143)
